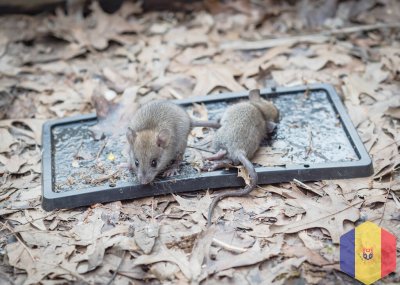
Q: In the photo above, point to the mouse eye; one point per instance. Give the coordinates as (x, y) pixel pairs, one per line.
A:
(154, 163)
(136, 162)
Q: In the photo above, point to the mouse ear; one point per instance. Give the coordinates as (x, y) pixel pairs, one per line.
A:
(163, 138)
(254, 95)
(131, 135)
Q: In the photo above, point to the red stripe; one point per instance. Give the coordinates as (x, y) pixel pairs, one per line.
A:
(388, 253)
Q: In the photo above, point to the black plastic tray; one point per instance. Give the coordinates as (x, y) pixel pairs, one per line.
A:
(360, 167)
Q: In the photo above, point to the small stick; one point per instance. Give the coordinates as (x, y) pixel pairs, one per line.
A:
(43, 217)
(20, 240)
(322, 37)
(78, 276)
(101, 179)
(229, 247)
(310, 144)
(79, 148)
(384, 205)
(117, 269)
(101, 149)
(304, 186)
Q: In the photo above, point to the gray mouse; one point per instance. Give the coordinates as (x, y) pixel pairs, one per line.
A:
(158, 136)
(243, 126)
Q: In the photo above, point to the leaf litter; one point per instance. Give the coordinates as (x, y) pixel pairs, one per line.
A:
(55, 64)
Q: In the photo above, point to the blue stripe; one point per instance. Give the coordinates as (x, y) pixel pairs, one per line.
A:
(347, 258)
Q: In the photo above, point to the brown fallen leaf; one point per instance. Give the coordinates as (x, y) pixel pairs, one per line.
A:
(25, 128)
(6, 140)
(12, 164)
(96, 30)
(375, 73)
(192, 53)
(177, 257)
(355, 85)
(200, 252)
(67, 51)
(145, 235)
(214, 75)
(374, 200)
(357, 113)
(254, 255)
(301, 251)
(164, 271)
(393, 112)
(293, 76)
(329, 213)
(197, 207)
(285, 269)
(253, 67)
(92, 258)
(48, 261)
(314, 63)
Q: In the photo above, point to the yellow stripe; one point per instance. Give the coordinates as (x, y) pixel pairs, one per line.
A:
(367, 236)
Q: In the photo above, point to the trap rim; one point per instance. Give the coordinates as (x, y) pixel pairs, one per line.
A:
(206, 180)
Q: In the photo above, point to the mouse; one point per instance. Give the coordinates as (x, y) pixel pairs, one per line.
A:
(243, 126)
(157, 136)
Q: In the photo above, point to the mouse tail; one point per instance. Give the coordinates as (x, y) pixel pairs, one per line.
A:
(236, 193)
(205, 124)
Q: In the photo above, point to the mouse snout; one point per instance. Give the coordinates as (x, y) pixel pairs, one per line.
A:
(143, 178)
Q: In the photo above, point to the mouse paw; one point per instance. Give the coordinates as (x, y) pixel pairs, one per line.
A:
(216, 165)
(171, 172)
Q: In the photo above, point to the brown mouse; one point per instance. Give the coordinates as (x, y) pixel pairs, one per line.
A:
(243, 126)
(158, 136)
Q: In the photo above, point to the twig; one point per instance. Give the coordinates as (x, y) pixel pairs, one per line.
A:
(9, 193)
(310, 144)
(43, 217)
(117, 269)
(77, 151)
(104, 178)
(78, 276)
(229, 247)
(20, 240)
(290, 41)
(101, 149)
(387, 195)
(313, 38)
(304, 186)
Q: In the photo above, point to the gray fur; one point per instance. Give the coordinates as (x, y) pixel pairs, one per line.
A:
(158, 131)
(243, 126)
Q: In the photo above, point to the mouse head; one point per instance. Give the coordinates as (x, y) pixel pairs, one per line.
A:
(267, 109)
(147, 153)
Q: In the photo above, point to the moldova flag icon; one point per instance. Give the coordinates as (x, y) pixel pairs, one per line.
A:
(368, 253)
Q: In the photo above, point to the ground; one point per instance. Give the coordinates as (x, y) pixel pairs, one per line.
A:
(52, 64)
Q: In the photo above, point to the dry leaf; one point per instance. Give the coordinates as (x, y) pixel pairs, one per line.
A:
(177, 257)
(328, 213)
(253, 256)
(145, 235)
(6, 140)
(214, 75)
(12, 164)
(355, 85)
